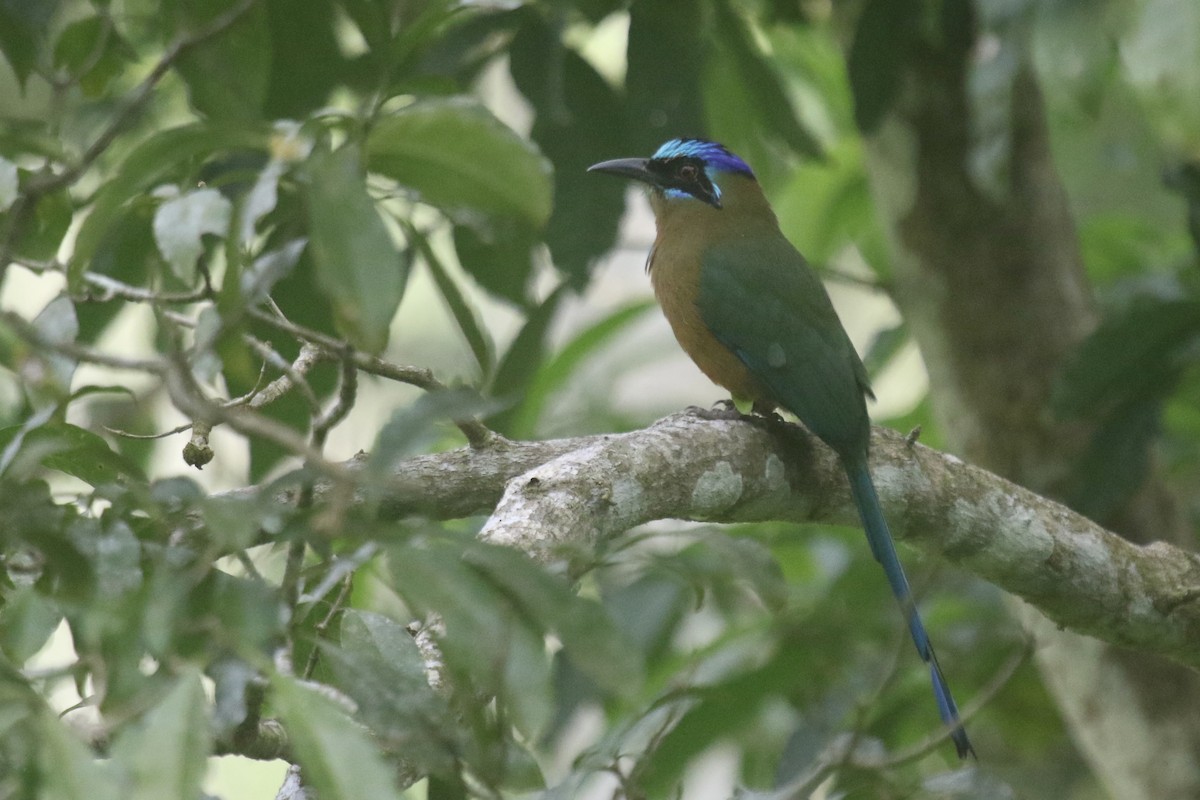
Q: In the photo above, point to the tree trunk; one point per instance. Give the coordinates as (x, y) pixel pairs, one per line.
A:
(992, 284)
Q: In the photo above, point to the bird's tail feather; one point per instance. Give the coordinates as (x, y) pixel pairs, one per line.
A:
(884, 550)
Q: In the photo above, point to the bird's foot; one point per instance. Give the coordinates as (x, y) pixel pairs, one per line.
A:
(767, 411)
(721, 410)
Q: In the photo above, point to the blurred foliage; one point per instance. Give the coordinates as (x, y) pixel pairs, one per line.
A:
(233, 163)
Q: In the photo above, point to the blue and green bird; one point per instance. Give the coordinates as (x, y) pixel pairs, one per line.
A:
(756, 319)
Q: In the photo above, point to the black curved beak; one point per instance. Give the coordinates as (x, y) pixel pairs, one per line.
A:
(635, 168)
(643, 169)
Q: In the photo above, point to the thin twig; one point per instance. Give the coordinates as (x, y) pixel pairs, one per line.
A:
(29, 332)
(115, 289)
(477, 434)
(322, 627)
(347, 396)
(189, 399)
(293, 373)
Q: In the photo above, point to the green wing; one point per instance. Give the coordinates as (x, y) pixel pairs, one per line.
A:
(762, 300)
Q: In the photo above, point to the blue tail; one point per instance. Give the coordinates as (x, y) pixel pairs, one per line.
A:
(884, 550)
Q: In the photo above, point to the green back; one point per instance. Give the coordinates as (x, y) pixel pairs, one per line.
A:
(762, 300)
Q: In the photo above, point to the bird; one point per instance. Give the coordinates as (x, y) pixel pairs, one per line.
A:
(755, 317)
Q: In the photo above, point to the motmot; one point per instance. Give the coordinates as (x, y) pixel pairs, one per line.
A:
(755, 317)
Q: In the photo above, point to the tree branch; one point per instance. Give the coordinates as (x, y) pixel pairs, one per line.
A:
(554, 498)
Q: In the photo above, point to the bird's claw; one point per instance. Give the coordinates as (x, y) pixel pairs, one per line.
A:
(767, 411)
(721, 410)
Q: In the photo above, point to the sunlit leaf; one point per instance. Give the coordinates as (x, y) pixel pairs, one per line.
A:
(164, 154)
(181, 222)
(9, 183)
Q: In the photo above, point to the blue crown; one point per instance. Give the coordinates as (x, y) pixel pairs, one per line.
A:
(714, 155)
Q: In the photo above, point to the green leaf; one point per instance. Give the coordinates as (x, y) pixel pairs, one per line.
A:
(127, 253)
(357, 263)
(181, 222)
(666, 51)
(825, 206)
(648, 611)
(486, 643)
(92, 52)
(523, 359)
(10, 180)
(337, 756)
(23, 29)
(762, 90)
(885, 35)
(464, 314)
(556, 373)
(306, 60)
(165, 754)
(75, 451)
(884, 347)
(68, 770)
(26, 622)
(1117, 460)
(57, 324)
(589, 637)
(113, 554)
(268, 269)
(41, 234)
(380, 667)
(413, 428)
(722, 709)
(499, 256)
(457, 156)
(165, 154)
(226, 74)
(1133, 353)
(580, 120)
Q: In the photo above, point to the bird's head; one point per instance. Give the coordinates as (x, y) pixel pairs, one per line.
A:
(682, 171)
